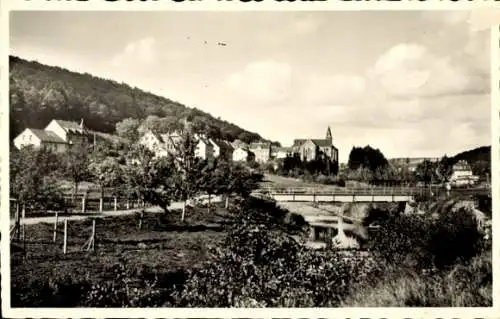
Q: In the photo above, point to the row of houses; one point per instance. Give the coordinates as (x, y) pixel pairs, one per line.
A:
(58, 135)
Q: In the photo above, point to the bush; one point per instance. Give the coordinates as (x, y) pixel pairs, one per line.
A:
(261, 265)
(455, 238)
(403, 240)
(424, 242)
(58, 291)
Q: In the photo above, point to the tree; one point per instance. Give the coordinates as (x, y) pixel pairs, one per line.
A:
(188, 168)
(152, 122)
(160, 182)
(128, 128)
(33, 178)
(481, 168)
(211, 179)
(242, 181)
(76, 165)
(426, 172)
(367, 157)
(106, 172)
(444, 169)
(140, 175)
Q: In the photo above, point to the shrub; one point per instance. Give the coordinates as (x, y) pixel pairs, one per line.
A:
(260, 265)
(423, 242)
(455, 238)
(56, 291)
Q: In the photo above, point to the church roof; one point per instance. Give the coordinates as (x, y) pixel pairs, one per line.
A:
(322, 142)
(317, 142)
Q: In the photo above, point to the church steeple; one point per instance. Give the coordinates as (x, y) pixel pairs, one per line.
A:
(329, 134)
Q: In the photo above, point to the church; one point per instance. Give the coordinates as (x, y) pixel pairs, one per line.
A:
(312, 149)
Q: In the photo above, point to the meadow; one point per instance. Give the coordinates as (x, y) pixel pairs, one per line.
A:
(251, 254)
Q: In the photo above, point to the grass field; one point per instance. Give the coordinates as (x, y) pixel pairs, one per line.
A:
(163, 246)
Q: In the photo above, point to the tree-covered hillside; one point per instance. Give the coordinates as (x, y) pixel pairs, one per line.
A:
(482, 153)
(479, 159)
(40, 93)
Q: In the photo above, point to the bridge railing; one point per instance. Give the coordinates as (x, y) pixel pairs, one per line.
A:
(360, 191)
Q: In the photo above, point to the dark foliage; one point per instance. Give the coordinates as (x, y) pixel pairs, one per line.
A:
(366, 157)
(425, 242)
(294, 166)
(261, 266)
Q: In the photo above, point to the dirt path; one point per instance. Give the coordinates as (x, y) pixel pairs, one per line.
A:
(51, 219)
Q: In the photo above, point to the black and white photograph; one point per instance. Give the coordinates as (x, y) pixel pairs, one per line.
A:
(245, 159)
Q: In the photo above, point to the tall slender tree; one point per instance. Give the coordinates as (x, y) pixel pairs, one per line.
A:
(189, 166)
(75, 165)
(105, 172)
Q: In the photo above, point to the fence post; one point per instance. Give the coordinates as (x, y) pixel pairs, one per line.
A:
(140, 220)
(23, 217)
(65, 242)
(329, 238)
(128, 203)
(93, 234)
(84, 199)
(101, 204)
(116, 204)
(55, 229)
(18, 222)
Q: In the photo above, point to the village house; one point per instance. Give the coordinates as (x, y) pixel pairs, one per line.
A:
(204, 148)
(57, 136)
(462, 174)
(312, 149)
(242, 154)
(281, 152)
(156, 143)
(261, 151)
(164, 144)
(222, 149)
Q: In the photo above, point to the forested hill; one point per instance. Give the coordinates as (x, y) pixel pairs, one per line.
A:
(40, 93)
(482, 153)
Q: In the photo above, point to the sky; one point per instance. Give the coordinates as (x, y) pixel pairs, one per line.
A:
(413, 84)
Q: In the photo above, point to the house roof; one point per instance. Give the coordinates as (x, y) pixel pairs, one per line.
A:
(69, 125)
(256, 145)
(242, 148)
(298, 142)
(47, 136)
(461, 166)
(222, 144)
(282, 149)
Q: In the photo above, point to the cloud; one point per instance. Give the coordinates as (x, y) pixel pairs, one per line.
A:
(143, 52)
(411, 70)
(267, 82)
(277, 83)
(338, 89)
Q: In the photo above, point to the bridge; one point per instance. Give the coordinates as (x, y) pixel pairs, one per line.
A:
(327, 223)
(343, 195)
